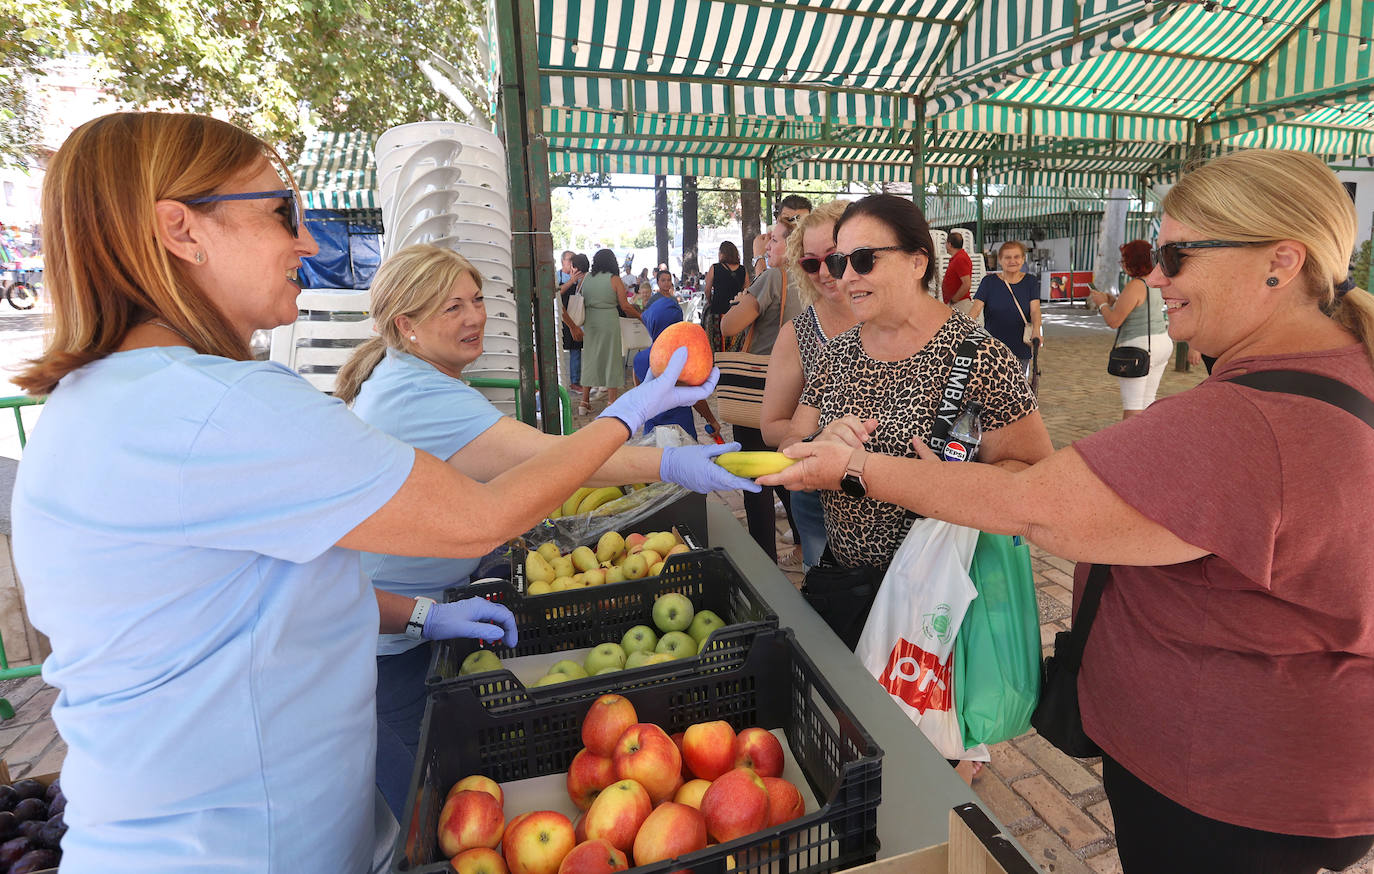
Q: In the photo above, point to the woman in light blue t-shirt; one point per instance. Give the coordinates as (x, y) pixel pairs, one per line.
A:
(187, 521)
(427, 304)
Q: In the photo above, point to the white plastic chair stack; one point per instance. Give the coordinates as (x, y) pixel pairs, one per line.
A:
(938, 237)
(322, 338)
(444, 183)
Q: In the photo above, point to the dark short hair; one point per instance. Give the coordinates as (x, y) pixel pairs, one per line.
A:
(605, 261)
(956, 239)
(904, 218)
(729, 252)
(661, 272)
(1136, 259)
(794, 201)
(580, 262)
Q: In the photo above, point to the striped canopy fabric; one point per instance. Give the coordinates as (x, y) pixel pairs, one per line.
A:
(1088, 93)
(337, 171)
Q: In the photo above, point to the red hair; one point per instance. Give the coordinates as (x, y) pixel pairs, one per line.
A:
(1136, 259)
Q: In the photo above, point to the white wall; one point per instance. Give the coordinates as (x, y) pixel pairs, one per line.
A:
(1364, 201)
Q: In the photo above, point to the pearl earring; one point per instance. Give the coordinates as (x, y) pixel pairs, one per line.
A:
(1272, 282)
(413, 338)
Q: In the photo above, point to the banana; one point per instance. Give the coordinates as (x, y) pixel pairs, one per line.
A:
(754, 464)
(597, 498)
(570, 505)
(557, 514)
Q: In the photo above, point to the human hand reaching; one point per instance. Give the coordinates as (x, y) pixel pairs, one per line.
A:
(472, 617)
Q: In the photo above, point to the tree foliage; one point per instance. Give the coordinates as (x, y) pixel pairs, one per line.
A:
(30, 31)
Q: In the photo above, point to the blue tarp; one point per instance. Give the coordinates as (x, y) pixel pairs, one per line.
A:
(350, 249)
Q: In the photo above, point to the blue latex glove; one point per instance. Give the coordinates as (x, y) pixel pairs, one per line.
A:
(471, 617)
(692, 468)
(659, 394)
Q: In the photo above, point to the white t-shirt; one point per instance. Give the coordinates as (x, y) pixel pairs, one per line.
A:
(174, 522)
(412, 401)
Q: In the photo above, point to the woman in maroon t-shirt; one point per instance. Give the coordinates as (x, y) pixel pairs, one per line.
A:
(1229, 675)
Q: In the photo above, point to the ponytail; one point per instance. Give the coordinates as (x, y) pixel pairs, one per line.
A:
(1354, 310)
(365, 358)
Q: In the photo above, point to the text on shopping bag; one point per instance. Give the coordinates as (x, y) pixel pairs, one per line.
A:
(917, 677)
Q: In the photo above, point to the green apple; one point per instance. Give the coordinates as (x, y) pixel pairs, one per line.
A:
(637, 658)
(705, 622)
(658, 658)
(550, 679)
(608, 670)
(678, 644)
(673, 612)
(604, 656)
(479, 661)
(641, 638)
(569, 667)
(701, 646)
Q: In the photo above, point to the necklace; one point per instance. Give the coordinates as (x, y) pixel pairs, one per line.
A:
(161, 324)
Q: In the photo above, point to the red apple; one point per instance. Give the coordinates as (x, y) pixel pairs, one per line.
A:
(579, 827)
(735, 805)
(605, 722)
(690, 793)
(470, 819)
(617, 813)
(677, 742)
(648, 756)
(538, 843)
(479, 860)
(594, 857)
(699, 358)
(478, 783)
(784, 800)
(709, 749)
(672, 830)
(587, 775)
(758, 749)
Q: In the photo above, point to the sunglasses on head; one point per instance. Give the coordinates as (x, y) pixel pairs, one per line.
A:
(862, 260)
(1170, 256)
(293, 211)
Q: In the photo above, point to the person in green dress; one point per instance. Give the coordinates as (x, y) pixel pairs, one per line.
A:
(605, 298)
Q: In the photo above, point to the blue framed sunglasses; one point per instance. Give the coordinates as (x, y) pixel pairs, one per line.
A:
(293, 209)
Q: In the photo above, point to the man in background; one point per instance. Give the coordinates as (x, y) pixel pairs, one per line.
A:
(958, 275)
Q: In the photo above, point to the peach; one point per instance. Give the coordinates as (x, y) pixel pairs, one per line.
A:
(708, 748)
(470, 819)
(617, 813)
(593, 857)
(672, 830)
(699, 358)
(606, 720)
(648, 756)
(736, 804)
(588, 775)
(784, 800)
(758, 749)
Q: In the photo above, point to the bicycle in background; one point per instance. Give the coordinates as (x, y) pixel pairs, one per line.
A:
(21, 285)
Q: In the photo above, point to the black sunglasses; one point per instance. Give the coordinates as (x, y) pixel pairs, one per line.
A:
(1170, 256)
(293, 210)
(810, 265)
(862, 260)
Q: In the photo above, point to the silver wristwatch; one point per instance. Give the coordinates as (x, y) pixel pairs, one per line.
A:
(415, 628)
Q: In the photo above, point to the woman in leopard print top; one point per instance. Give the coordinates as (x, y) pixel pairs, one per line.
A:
(798, 348)
(893, 369)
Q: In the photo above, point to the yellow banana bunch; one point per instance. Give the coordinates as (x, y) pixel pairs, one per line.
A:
(598, 497)
(754, 464)
(570, 506)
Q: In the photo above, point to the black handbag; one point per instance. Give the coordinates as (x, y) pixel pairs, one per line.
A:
(842, 596)
(1057, 717)
(1130, 362)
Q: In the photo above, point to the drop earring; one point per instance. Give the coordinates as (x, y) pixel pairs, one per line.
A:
(1272, 282)
(413, 338)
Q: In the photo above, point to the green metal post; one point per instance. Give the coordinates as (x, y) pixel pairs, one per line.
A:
(918, 159)
(979, 191)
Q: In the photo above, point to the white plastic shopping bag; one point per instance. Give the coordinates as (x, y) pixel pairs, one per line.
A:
(909, 637)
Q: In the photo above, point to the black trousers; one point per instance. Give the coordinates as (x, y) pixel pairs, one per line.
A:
(758, 506)
(1156, 835)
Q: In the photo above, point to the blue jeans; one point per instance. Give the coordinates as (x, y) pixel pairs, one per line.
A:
(575, 366)
(400, 708)
(806, 512)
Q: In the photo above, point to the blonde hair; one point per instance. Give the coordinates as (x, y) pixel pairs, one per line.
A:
(415, 282)
(1264, 195)
(105, 270)
(826, 214)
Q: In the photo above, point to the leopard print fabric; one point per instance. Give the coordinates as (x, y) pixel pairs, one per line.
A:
(903, 397)
(811, 340)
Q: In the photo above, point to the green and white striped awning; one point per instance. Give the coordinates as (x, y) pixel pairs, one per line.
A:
(337, 171)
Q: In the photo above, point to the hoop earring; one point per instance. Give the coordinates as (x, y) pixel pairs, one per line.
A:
(1272, 282)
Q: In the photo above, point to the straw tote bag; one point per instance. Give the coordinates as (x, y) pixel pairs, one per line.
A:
(739, 393)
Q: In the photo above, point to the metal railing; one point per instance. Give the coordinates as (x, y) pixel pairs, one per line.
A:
(493, 382)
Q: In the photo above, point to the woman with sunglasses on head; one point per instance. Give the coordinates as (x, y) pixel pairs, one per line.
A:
(799, 346)
(188, 521)
(1009, 302)
(894, 367)
(1137, 314)
(1229, 672)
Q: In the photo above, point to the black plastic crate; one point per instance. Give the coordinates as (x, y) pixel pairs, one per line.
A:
(582, 618)
(777, 686)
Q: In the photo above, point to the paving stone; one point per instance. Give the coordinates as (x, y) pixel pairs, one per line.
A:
(1005, 804)
(1059, 593)
(1065, 770)
(1009, 763)
(1062, 564)
(1102, 812)
(51, 762)
(35, 740)
(1051, 609)
(1060, 577)
(1072, 825)
(1105, 863)
(20, 695)
(1050, 853)
(10, 735)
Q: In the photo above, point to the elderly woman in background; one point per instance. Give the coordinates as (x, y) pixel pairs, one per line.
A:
(799, 347)
(893, 367)
(604, 297)
(1009, 302)
(724, 279)
(430, 315)
(188, 522)
(1138, 316)
(1229, 673)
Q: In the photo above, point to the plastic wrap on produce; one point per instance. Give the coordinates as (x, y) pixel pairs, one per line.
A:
(570, 532)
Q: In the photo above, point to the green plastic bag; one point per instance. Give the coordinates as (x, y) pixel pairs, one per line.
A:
(997, 650)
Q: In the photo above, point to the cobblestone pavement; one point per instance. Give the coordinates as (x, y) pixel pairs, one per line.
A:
(1053, 804)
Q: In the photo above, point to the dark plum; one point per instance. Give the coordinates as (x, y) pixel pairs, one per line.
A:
(8, 797)
(50, 835)
(54, 790)
(36, 860)
(31, 808)
(29, 789)
(11, 850)
(57, 805)
(8, 824)
(30, 829)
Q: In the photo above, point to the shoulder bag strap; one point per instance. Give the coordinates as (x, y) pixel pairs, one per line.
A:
(1019, 311)
(1312, 385)
(939, 429)
(1087, 611)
